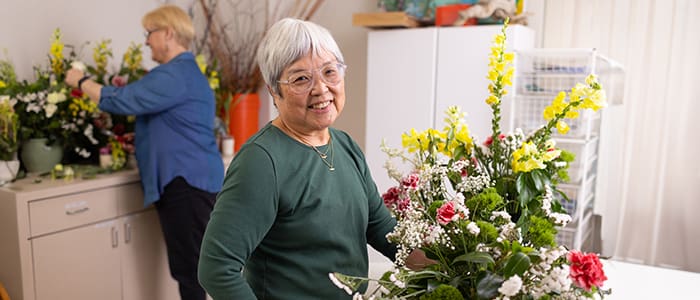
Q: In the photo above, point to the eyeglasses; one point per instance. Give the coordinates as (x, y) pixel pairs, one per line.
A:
(302, 82)
(148, 33)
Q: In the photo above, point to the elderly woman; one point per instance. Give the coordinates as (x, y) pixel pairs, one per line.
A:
(298, 200)
(179, 163)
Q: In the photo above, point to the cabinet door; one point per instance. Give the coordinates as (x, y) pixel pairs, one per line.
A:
(462, 67)
(81, 263)
(145, 271)
(400, 91)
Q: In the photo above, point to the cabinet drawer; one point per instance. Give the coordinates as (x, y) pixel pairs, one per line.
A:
(73, 210)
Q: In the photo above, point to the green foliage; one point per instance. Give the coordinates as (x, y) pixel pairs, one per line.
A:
(541, 232)
(443, 292)
(488, 231)
(484, 203)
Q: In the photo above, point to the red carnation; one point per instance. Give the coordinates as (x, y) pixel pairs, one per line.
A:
(76, 93)
(391, 196)
(410, 181)
(586, 270)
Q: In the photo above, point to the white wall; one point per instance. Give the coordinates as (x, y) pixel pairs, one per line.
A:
(27, 27)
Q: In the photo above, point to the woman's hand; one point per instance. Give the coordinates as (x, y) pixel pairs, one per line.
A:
(417, 260)
(72, 77)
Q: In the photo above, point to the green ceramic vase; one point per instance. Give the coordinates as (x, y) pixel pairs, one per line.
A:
(37, 157)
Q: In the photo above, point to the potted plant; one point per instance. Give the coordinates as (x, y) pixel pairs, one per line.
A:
(9, 122)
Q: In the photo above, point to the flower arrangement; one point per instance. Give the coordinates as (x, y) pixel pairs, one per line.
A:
(487, 213)
(41, 104)
(9, 122)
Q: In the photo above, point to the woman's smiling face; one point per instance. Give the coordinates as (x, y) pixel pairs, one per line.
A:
(317, 108)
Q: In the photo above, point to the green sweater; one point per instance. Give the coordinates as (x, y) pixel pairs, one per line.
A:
(288, 220)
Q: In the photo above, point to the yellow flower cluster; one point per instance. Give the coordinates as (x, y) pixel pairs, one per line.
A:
(500, 68)
(582, 96)
(82, 104)
(56, 53)
(528, 157)
(133, 57)
(101, 54)
(451, 141)
(212, 75)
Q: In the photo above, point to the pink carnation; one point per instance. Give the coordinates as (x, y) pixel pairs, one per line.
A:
(446, 212)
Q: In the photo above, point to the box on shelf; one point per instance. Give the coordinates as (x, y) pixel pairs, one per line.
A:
(446, 15)
(384, 20)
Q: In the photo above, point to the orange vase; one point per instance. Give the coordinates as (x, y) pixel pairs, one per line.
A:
(243, 118)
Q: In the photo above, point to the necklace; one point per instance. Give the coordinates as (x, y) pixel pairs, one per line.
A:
(322, 155)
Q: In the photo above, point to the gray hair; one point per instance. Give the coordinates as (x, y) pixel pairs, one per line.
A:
(287, 41)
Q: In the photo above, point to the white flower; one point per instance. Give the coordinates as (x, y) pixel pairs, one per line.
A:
(560, 219)
(56, 97)
(82, 152)
(339, 284)
(78, 65)
(473, 228)
(396, 281)
(500, 214)
(88, 132)
(512, 286)
(50, 109)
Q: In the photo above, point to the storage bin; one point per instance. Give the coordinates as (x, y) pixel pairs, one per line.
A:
(528, 116)
(580, 197)
(585, 163)
(566, 236)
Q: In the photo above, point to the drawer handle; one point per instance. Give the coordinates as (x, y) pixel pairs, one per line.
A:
(77, 211)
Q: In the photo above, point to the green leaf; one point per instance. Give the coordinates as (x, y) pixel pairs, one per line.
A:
(536, 179)
(476, 257)
(487, 287)
(517, 264)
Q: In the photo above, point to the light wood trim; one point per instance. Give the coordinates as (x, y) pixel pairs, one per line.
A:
(384, 19)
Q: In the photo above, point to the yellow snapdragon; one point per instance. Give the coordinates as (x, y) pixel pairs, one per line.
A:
(101, 54)
(56, 52)
(500, 72)
(527, 158)
(133, 57)
(414, 141)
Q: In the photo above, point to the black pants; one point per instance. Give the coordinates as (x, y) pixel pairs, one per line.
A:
(184, 213)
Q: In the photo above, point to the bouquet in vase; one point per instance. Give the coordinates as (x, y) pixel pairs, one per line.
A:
(487, 213)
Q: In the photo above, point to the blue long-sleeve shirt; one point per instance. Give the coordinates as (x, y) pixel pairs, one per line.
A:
(174, 108)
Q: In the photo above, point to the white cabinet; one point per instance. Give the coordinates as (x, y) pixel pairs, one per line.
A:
(413, 75)
(87, 239)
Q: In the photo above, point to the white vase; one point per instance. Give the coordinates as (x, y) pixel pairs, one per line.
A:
(8, 170)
